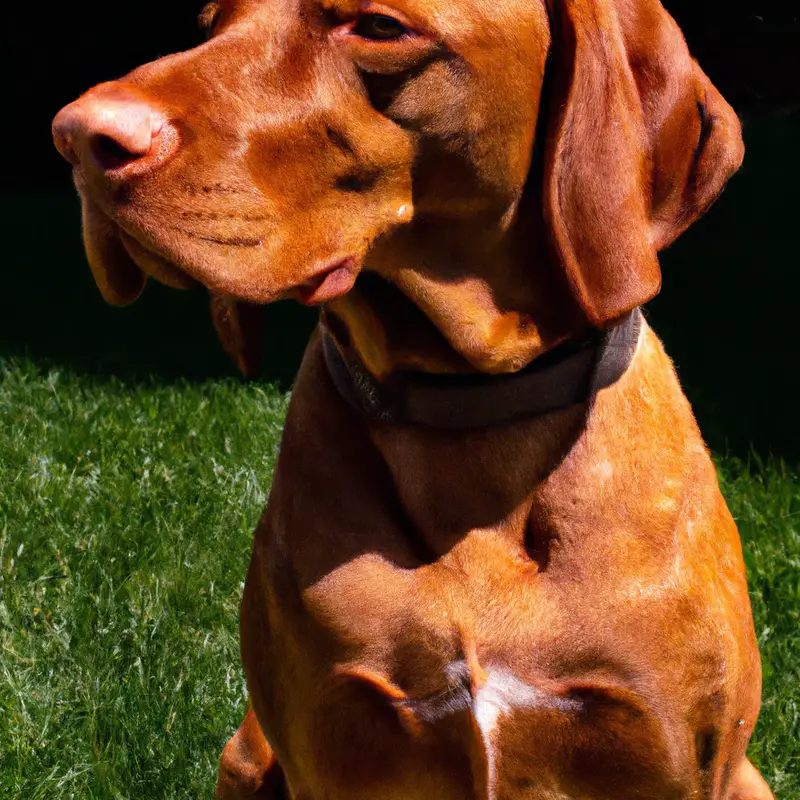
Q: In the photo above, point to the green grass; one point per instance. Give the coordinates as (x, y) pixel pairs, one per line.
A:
(765, 501)
(126, 512)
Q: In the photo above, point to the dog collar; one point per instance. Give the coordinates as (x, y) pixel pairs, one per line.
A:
(569, 374)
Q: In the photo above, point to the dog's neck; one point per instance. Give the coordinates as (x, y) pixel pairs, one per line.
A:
(457, 296)
(569, 375)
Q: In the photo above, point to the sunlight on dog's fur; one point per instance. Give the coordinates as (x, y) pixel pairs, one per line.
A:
(554, 608)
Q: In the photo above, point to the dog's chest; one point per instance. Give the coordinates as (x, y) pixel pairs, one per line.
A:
(523, 672)
(529, 712)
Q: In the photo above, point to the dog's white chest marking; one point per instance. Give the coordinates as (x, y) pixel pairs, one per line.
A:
(499, 697)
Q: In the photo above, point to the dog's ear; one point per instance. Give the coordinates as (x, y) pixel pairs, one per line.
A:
(638, 145)
(239, 326)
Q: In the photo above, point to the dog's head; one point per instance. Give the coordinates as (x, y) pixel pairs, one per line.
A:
(308, 140)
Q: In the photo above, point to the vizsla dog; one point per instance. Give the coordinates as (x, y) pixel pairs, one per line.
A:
(495, 563)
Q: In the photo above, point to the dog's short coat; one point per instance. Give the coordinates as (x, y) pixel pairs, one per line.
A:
(550, 608)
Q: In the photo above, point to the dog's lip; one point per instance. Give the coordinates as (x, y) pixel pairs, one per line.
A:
(333, 280)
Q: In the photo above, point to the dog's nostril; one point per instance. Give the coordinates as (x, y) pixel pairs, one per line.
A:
(110, 154)
(112, 128)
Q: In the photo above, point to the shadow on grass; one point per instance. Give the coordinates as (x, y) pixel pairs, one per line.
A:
(727, 312)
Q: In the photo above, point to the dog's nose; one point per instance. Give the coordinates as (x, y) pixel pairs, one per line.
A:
(108, 129)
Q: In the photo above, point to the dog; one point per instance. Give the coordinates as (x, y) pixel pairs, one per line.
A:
(495, 562)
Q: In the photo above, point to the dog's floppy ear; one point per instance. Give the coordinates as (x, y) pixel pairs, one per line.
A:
(639, 145)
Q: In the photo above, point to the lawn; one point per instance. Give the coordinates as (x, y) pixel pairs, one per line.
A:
(125, 520)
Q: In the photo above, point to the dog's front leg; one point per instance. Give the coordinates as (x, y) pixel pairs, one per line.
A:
(248, 767)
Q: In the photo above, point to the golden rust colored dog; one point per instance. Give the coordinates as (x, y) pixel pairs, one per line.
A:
(495, 563)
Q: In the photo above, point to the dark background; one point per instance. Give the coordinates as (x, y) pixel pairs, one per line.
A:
(727, 312)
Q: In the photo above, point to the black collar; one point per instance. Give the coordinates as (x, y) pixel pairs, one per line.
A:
(569, 374)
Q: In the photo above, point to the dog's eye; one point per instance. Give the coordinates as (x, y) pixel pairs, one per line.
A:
(379, 27)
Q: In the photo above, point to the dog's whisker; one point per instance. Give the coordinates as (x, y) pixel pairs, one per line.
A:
(195, 190)
(231, 241)
(215, 216)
